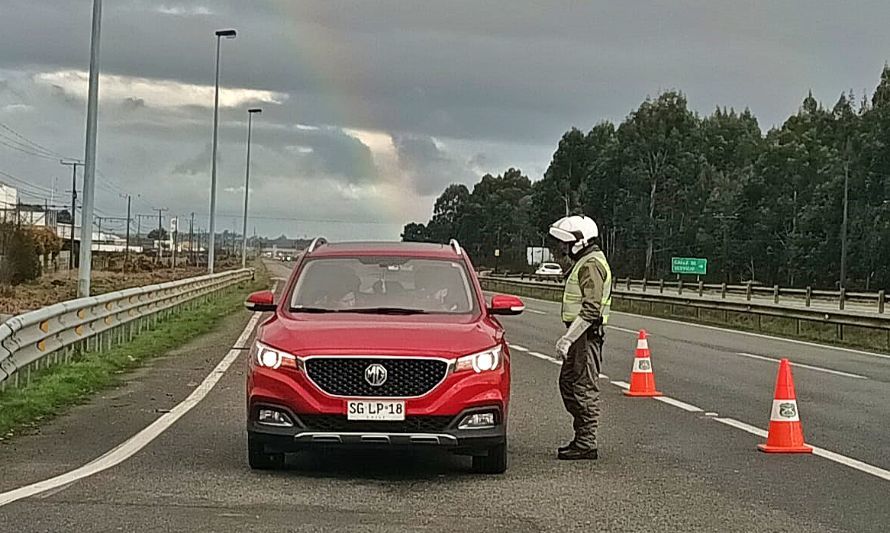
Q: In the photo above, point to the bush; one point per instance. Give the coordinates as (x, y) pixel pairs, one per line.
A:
(21, 257)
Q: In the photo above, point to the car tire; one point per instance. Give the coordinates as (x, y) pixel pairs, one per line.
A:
(494, 462)
(258, 459)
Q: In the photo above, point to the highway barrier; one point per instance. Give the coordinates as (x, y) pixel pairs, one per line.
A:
(862, 325)
(750, 291)
(58, 333)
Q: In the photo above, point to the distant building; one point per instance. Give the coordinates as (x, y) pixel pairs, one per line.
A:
(9, 198)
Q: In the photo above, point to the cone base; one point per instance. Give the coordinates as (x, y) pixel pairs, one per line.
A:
(784, 449)
(637, 394)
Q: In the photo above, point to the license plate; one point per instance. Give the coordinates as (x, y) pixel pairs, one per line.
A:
(375, 410)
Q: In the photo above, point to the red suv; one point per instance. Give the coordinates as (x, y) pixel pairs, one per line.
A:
(380, 344)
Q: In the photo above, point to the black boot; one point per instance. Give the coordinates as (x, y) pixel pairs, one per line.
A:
(576, 454)
(567, 447)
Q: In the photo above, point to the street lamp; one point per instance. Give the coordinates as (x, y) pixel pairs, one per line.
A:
(228, 34)
(250, 114)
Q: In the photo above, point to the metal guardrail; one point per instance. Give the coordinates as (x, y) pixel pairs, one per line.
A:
(876, 300)
(46, 336)
(701, 301)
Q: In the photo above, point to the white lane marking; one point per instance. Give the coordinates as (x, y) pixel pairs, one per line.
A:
(140, 440)
(758, 335)
(852, 463)
(535, 311)
(821, 452)
(677, 403)
(625, 330)
(540, 355)
(801, 365)
(743, 426)
(518, 348)
(621, 384)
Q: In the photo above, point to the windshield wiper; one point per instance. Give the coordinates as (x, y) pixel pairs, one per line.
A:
(388, 311)
(304, 309)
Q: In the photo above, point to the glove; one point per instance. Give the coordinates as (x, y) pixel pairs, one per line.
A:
(562, 348)
(575, 331)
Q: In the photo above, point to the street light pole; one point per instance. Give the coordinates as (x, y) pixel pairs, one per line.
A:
(228, 34)
(250, 114)
(843, 283)
(89, 175)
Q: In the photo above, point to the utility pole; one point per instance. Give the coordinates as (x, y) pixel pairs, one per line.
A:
(73, 165)
(127, 249)
(191, 238)
(174, 229)
(160, 230)
(843, 283)
(89, 175)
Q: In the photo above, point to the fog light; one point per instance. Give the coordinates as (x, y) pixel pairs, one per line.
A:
(272, 417)
(477, 421)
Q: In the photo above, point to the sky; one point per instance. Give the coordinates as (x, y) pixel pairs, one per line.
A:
(371, 108)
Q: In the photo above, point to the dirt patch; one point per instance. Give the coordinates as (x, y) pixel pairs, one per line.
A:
(61, 286)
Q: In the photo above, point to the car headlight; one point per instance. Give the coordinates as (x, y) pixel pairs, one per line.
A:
(269, 357)
(480, 362)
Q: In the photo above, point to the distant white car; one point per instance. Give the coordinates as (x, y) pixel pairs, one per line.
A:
(549, 269)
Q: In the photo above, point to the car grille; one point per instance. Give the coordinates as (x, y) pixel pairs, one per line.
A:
(411, 424)
(406, 378)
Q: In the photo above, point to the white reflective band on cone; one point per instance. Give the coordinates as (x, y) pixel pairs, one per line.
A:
(784, 411)
(643, 344)
(643, 365)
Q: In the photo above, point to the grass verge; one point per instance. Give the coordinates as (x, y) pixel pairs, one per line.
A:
(54, 389)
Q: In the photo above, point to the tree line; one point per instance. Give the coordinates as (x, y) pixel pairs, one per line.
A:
(665, 182)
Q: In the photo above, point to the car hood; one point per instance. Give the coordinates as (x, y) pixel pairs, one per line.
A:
(427, 335)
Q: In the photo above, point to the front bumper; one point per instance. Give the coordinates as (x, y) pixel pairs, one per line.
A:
(308, 433)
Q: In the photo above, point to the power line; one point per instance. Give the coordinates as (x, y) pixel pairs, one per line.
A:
(35, 144)
(25, 151)
(26, 184)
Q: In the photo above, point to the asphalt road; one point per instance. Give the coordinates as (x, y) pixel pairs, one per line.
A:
(662, 468)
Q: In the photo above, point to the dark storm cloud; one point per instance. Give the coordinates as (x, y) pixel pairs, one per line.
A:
(429, 168)
(495, 83)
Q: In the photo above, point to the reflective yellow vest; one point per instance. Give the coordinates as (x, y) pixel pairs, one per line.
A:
(572, 296)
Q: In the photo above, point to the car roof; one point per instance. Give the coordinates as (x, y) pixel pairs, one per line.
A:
(381, 248)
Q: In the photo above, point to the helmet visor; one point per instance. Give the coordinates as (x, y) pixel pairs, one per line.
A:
(563, 235)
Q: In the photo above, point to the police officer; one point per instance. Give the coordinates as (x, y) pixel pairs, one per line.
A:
(585, 310)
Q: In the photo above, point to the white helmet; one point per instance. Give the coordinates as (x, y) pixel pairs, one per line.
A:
(578, 230)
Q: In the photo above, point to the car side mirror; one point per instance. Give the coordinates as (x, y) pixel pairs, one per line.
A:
(261, 301)
(506, 305)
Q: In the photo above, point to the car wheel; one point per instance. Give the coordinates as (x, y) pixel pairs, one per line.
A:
(495, 462)
(259, 459)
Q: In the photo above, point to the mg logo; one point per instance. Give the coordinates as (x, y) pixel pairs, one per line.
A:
(375, 375)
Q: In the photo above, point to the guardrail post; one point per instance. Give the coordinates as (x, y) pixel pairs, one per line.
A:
(841, 298)
(881, 298)
(680, 287)
(645, 282)
(809, 298)
(701, 287)
(628, 282)
(775, 294)
(661, 286)
(723, 290)
(748, 291)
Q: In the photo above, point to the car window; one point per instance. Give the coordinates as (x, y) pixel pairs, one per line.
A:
(344, 284)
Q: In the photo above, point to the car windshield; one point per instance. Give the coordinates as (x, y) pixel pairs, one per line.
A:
(384, 285)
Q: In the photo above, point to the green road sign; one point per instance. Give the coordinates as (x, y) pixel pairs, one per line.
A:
(689, 265)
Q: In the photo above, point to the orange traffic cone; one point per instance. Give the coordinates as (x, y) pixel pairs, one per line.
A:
(785, 432)
(642, 379)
